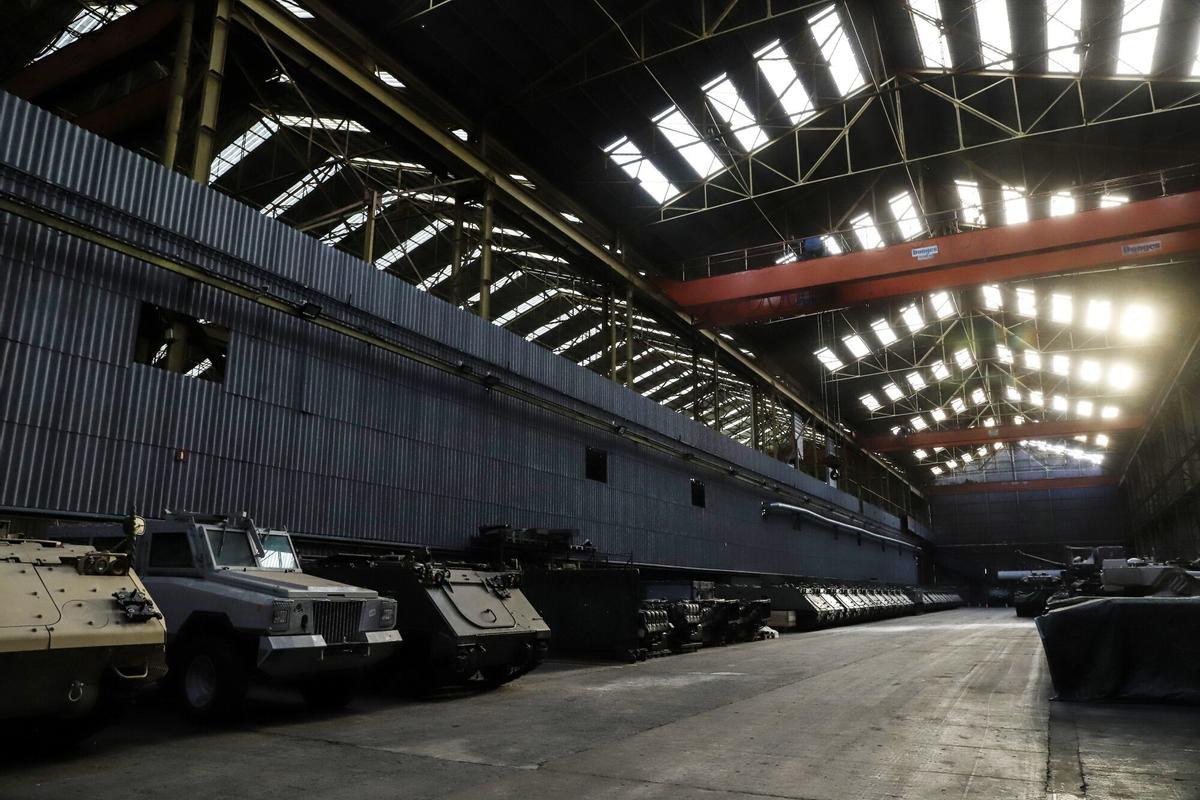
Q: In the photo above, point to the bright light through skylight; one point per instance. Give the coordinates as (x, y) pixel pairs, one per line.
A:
(295, 9)
(1016, 207)
(90, 18)
(940, 370)
(1120, 377)
(626, 155)
(992, 299)
(1062, 204)
(781, 76)
(870, 402)
(995, 37)
(893, 392)
(938, 415)
(1099, 314)
(1113, 200)
(1033, 359)
(1026, 302)
(912, 318)
(1036, 399)
(884, 332)
(1061, 308)
(683, 136)
(867, 233)
(962, 357)
(1139, 34)
(943, 306)
(958, 405)
(971, 202)
(1084, 408)
(1012, 393)
(1109, 412)
(301, 189)
(918, 423)
(827, 357)
(836, 48)
(1004, 354)
(1136, 322)
(832, 245)
(915, 381)
(931, 35)
(1060, 365)
(1059, 403)
(905, 214)
(978, 397)
(1101, 440)
(1090, 371)
(733, 111)
(1064, 20)
(855, 344)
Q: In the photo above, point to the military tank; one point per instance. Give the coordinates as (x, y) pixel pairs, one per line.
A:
(457, 621)
(78, 631)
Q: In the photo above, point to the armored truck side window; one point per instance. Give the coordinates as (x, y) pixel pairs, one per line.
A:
(170, 550)
(278, 552)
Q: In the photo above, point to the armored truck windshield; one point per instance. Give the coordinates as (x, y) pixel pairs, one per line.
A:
(235, 548)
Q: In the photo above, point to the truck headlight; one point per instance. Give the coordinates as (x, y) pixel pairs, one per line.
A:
(281, 612)
(387, 614)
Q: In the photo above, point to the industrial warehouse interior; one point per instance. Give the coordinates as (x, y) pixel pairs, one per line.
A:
(600, 398)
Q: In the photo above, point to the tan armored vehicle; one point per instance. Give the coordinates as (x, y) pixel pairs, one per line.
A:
(77, 629)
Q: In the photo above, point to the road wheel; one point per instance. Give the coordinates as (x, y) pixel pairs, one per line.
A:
(211, 680)
(498, 675)
(329, 692)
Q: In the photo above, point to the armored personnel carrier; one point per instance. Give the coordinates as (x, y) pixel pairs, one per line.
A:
(77, 631)
(457, 621)
(238, 606)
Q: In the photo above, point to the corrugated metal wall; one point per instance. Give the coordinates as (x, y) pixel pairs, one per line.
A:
(315, 431)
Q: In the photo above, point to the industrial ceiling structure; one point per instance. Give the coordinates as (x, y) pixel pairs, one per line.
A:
(918, 243)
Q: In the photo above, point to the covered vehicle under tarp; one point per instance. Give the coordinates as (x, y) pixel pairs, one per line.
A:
(1124, 648)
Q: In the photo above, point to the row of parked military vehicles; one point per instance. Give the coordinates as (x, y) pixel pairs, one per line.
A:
(207, 604)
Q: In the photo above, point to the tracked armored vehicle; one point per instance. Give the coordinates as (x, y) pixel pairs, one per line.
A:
(78, 630)
(457, 621)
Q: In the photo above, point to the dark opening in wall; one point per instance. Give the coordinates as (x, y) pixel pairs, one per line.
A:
(698, 493)
(194, 348)
(596, 464)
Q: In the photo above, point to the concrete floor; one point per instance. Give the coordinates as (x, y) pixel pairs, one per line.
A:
(954, 704)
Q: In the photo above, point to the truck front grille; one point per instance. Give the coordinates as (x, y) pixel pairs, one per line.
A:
(337, 620)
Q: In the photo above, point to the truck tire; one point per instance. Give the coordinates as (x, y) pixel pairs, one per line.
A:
(210, 679)
(331, 692)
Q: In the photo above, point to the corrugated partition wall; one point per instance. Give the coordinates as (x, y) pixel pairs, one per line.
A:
(315, 431)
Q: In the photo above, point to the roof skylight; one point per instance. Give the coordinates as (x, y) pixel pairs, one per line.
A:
(971, 202)
(1090, 371)
(1059, 403)
(893, 392)
(1064, 20)
(412, 243)
(1026, 302)
(781, 76)
(829, 359)
(1012, 393)
(978, 397)
(1084, 408)
(915, 381)
(836, 48)
(962, 357)
(905, 214)
(867, 233)
(884, 332)
(870, 402)
(939, 415)
(626, 155)
(943, 306)
(1036, 398)
(1033, 359)
(1062, 308)
(918, 423)
(1099, 315)
(683, 136)
(995, 37)
(1016, 208)
(1061, 203)
(89, 19)
(1120, 377)
(940, 370)
(992, 299)
(931, 33)
(1139, 34)
(1004, 354)
(1113, 200)
(1136, 322)
(733, 111)
(855, 344)
(295, 9)
(1060, 365)
(958, 405)
(301, 188)
(833, 245)
(388, 79)
(912, 318)
(241, 147)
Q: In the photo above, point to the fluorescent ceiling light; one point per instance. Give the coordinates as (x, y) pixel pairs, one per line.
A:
(1120, 376)
(972, 204)
(1136, 322)
(918, 423)
(781, 76)
(940, 370)
(855, 344)
(943, 306)
(915, 381)
(871, 402)
(1090, 371)
(1099, 315)
(1110, 412)
(626, 155)
(835, 46)
(1084, 408)
(1061, 307)
(1012, 393)
(1036, 399)
(1016, 207)
(912, 318)
(957, 405)
(938, 415)
(893, 392)
(1059, 403)
(1026, 302)
(978, 397)
(1033, 359)
(866, 232)
(1064, 20)
(993, 300)
(1139, 34)
(995, 37)
(1060, 365)
(1004, 354)
(729, 105)
(905, 214)
(388, 79)
(1062, 204)
(1102, 440)
(883, 332)
(931, 33)
(683, 136)
(920, 454)
(962, 357)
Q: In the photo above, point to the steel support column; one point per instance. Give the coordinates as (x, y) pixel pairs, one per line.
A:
(485, 258)
(628, 336)
(210, 99)
(369, 227)
(179, 76)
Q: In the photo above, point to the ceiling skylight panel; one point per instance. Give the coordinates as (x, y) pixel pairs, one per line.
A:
(626, 155)
(918, 423)
(89, 19)
(1099, 314)
(893, 392)
(1036, 398)
(683, 136)
(971, 202)
(958, 405)
(884, 332)
(301, 189)
(334, 124)
(870, 401)
(1062, 308)
(1064, 20)
(1062, 204)
(915, 381)
(868, 235)
(1004, 354)
(1139, 34)
(525, 307)
(838, 52)
(388, 79)
(412, 243)
(241, 147)
(295, 9)
(781, 76)
(995, 37)
(978, 397)
(940, 370)
(1016, 207)
(931, 33)
(832, 245)
(855, 344)
(733, 111)
(943, 306)
(1033, 359)
(992, 299)
(962, 357)
(1060, 365)
(906, 216)
(1026, 302)
(1012, 394)
(1113, 200)
(829, 359)
(912, 318)
(939, 415)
